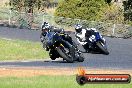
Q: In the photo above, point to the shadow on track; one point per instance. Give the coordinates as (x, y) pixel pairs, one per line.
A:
(61, 61)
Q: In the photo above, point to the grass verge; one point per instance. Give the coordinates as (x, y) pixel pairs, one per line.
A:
(21, 50)
(51, 82)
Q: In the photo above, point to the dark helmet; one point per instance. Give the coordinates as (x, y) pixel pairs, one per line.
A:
(78, 28)
(45, 23)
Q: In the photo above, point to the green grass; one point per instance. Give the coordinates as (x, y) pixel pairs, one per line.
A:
(52, 82)
(21, 50)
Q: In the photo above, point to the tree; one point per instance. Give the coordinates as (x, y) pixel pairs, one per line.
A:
(29, 5)
(17, 4)
(108, 1)
(128, 10)
(81, 9)
(113, 13)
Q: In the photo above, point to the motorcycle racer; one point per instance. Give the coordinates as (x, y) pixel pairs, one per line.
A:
(83, 34)
(47, 29)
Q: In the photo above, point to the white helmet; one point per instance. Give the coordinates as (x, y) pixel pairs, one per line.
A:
(94, 29)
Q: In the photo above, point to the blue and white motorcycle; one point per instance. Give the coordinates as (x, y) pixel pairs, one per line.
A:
(96, 43)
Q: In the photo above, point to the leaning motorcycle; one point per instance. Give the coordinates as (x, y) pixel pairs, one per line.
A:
(62, 45)
(97, 43)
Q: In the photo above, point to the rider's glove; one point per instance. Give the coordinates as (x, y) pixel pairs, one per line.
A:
(66, 35)
(42, 39)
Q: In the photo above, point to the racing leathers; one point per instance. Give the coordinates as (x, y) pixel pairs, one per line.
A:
(44, 36)
(84, 36)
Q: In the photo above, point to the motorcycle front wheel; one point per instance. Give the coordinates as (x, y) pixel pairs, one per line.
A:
(102, 48)
(81, 58)
(66, 53)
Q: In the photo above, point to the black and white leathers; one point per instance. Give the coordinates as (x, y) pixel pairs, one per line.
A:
(85, 33)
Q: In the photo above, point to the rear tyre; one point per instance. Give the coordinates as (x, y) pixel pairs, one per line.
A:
(103, 49)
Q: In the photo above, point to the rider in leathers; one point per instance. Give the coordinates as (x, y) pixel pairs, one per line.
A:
(83, 34)
(46, 29)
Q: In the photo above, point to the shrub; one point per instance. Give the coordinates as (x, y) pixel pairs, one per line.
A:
(81, 9)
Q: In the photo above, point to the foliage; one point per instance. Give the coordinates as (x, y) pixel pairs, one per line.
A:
(17, 4)
(128, 10)
(81, 9)
(108, 1)
(29, 5)
(113, 13)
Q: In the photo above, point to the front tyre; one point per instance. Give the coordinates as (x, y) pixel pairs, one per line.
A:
(102, 47)
(52, 57)
(52, 54)
(81, 58)
(68, 57)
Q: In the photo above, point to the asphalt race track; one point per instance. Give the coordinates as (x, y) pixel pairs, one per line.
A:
(120, 56)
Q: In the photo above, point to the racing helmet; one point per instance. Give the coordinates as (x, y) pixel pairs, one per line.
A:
(94, 29)
(78, 28)
(45, 26)
(44, 23)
